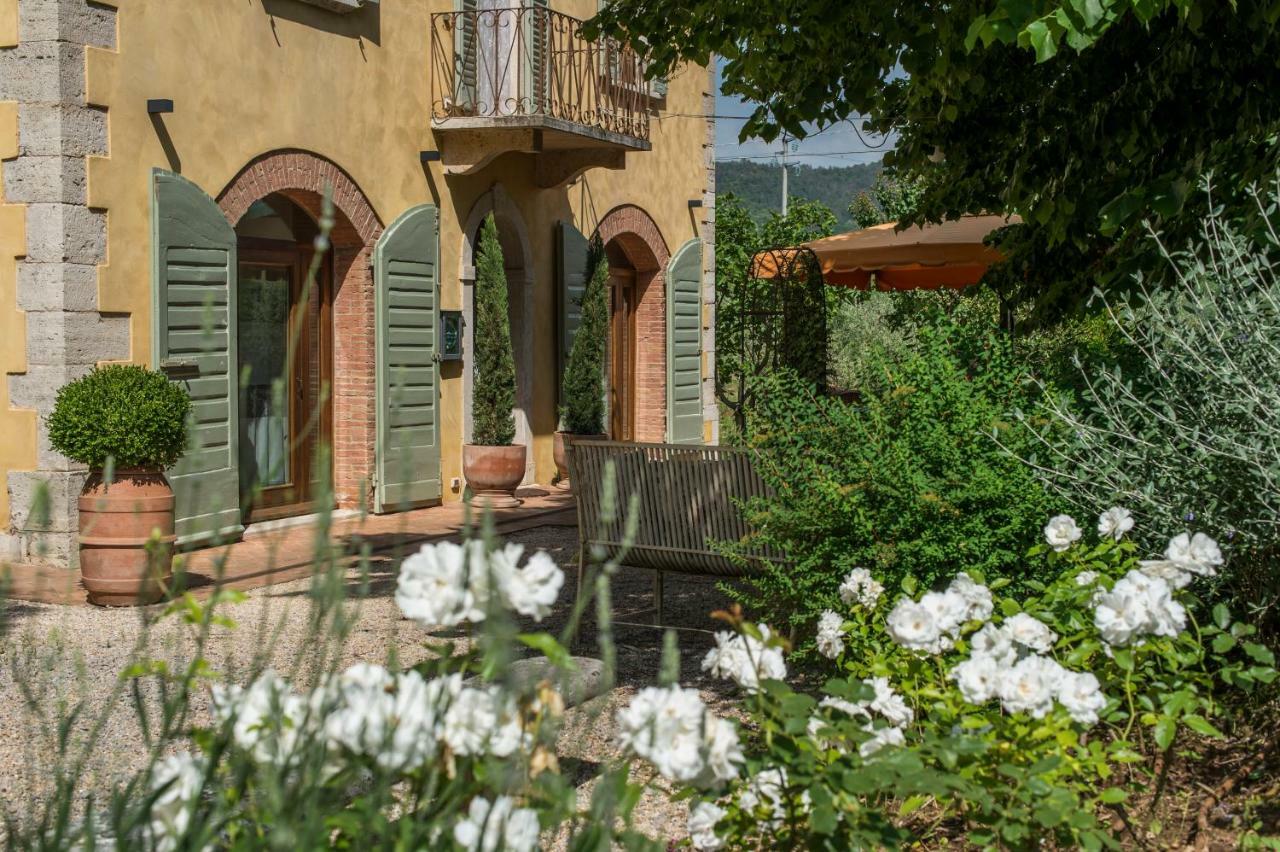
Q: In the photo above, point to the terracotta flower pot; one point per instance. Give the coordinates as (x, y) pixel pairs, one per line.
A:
(561, 459)
(118, 522)
(493, 474)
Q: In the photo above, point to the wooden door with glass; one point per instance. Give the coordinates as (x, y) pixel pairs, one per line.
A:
(283, 325)
(622, 353)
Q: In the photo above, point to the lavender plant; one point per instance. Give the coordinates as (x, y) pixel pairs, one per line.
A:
(1186, 428)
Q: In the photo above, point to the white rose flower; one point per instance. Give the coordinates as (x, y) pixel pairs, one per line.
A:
(1197, 554)
(978, 678)
(859, 587)
(1138, 605)
(1061, 532)
(359, 720)
(266, 718)
(977, 597)
(483, 720)
(949, 610)
(1030, 632)
(995, 642)
(1030, 686)
(1115, 522)
(702, 826)
(766, 790)
(499, 825)
(845, 706)
(914, 627)
(533, 589)
(432, 589)
(1086, 578)
(179, 777)
(672, 729)
(1168, 570)
(880, 738)
(1082, 696)
(830, 643)
(745, 659)
(888, 703)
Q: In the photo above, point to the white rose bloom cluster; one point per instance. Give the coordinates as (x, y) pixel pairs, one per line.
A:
(497, 825)
(830, 636)
(1186, 557)
(1061, 532)
(887, 703)
(672, 729)
(179, 779)
(398, 721)
(932, 624)
(860, 588)
(1004, 664)
(745, 659)
(1114, 523)
(266, 717)
(702, 826)
(1138, 605)
(446, 583)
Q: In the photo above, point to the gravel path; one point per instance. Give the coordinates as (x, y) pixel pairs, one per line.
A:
(54, 657)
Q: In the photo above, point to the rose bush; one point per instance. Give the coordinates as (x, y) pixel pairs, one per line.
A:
(957, 710)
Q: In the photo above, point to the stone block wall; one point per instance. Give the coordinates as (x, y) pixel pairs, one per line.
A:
(57, 280)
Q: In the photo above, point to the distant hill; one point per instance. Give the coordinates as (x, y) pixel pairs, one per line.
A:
(759, 185)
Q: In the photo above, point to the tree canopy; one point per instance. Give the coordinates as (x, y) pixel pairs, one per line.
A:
(1086, 117)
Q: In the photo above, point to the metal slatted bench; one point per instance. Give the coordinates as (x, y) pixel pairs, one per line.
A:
(687, 500)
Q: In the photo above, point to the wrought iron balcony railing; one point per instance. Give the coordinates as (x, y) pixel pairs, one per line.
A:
(505, 65)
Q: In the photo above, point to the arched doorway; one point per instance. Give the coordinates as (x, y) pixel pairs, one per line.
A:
(517, 258)
(637, 256)
(284, 335)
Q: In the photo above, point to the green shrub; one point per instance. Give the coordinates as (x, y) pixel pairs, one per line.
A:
(494, 371)
(583, 409)
(124, 413)
(908, 481)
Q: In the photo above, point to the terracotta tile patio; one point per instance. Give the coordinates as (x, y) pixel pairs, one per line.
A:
(279, 555)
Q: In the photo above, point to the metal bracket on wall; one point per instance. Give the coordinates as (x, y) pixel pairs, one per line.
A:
(341, 6)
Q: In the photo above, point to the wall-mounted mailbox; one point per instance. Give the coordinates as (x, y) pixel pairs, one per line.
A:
(451, 335)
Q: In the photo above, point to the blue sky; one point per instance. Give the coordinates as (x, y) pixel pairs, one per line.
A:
(836, 146)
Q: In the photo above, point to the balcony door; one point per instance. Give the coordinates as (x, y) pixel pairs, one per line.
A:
(502, 57)
(283, 330)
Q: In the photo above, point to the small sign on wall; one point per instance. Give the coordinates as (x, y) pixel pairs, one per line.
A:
(451, 335)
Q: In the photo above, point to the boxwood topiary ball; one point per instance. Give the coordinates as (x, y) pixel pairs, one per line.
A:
(124, 412)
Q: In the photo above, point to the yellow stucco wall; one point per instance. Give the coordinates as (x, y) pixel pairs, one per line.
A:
(18, 426)
(260, 75)
(8, 23)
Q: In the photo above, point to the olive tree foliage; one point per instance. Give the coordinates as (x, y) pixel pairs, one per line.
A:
(1085, 117)
(747, 347)
(1184, 430)
(890, 199)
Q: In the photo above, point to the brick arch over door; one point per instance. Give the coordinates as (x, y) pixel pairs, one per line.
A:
(303, 178)
(630, 235)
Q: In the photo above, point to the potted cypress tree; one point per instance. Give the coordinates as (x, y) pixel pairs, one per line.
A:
(492, 465)
(127, 424)
(582, 414)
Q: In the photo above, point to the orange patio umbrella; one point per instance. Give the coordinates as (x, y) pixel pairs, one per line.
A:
(920, 257)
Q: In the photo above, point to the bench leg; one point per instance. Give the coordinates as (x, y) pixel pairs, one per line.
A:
(577, 628)
(657, 598)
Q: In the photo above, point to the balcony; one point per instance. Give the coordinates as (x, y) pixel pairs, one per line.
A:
(524, 79)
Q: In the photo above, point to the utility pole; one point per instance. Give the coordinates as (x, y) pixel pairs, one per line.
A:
(784, 177)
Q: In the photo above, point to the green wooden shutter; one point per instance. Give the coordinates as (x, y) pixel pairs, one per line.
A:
(465, 57)
(684, 345)
(571, 272)
(194, 341)
(406, 275)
